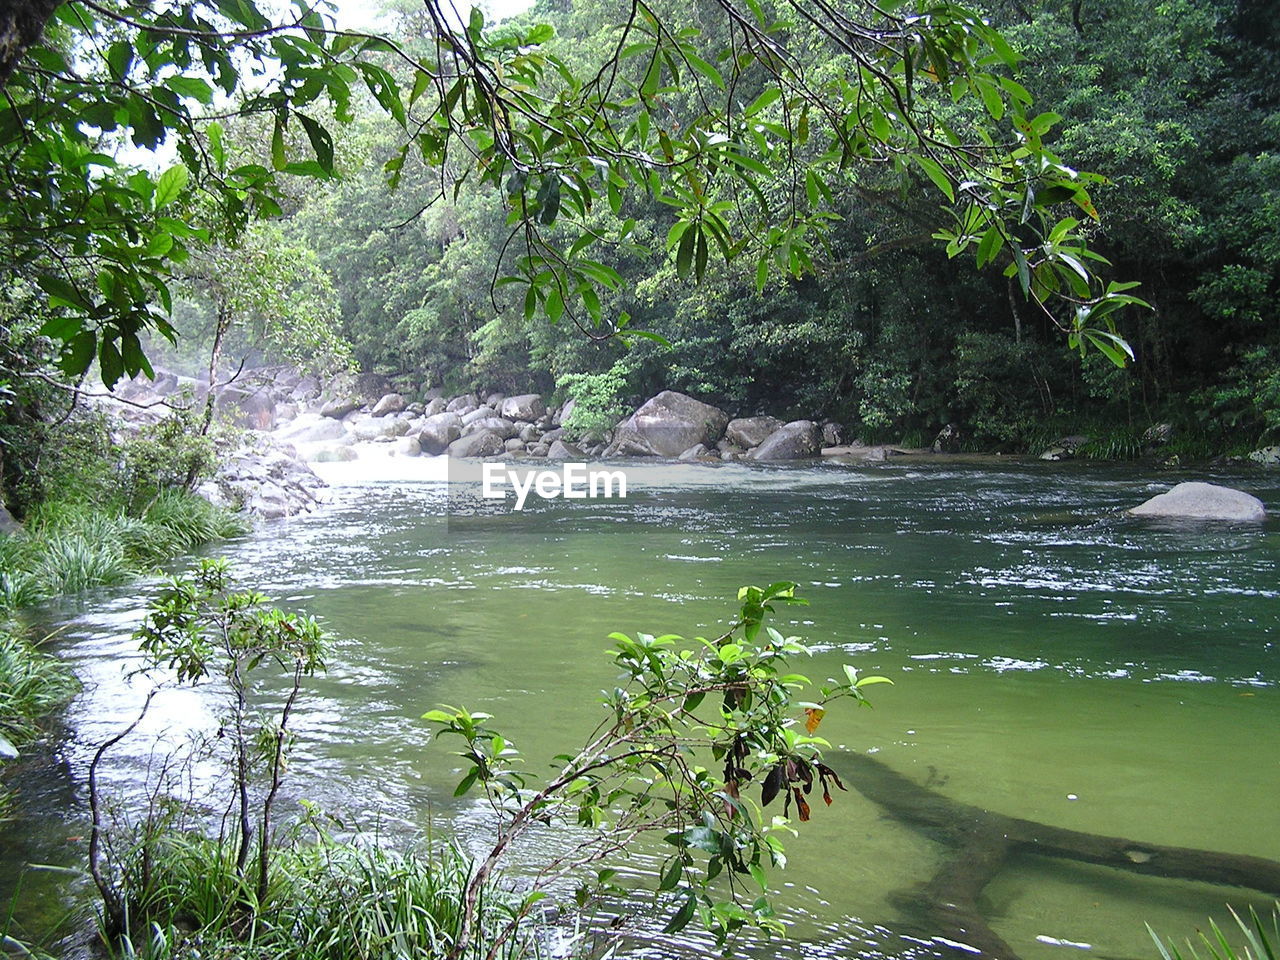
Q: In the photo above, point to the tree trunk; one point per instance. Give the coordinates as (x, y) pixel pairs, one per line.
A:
(21, 23)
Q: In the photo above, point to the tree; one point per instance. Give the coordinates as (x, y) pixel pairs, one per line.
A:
(752, 171)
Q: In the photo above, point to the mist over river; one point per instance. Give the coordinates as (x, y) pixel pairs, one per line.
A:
(1053, 660)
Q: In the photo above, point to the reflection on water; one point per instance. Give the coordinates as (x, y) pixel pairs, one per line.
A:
(1054, 660)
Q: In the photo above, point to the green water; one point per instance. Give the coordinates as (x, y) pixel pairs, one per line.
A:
(1052, 660)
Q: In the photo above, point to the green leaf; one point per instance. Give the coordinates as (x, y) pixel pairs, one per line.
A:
(681, 918)
(321, 141)
(671, 877)
(935, 173)
(61, 293)
(171, 183)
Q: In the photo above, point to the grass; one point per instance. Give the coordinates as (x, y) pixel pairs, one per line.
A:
(67, 548)
(328, 900)
(32, 684)
(1261, 940)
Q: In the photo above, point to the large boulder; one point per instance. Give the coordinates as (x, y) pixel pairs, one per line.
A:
(312, 429)
(387, 427)
(797, 440)
(466, 402)
(340, 407)
(560, 450)
(390, 403)
(503, 428)
(250, 408)
(1203, 501)
(748, 432)
(527, 407)
(433, 406)
(482, 443)
(438, 432)
(1266, 455)
(479, 413)
(668, 425)
(948, 439)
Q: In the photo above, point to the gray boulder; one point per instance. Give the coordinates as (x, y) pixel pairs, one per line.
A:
(528, 432)
(339, 408)
(667, 425)
(1065, 449)
(538, 449)
(482, 443)
(748, 432)
(433, 406)
(559, 450)
(514, 445)
(479, 413)
(438, 432)
(527, 406)
(947, 440)
(1203, 501)
(495, 399)
(698, 451)
(384, 427)
(334, 455)
(832, 434)
(407, 447)
(312, 429)
(468, 401)
(503, 428)
(389, 403)
(1266, 455)
(797, 440)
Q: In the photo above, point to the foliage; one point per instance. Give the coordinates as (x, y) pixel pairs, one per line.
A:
(688, 727)
(32, 684)
(327, 899)
(1260, 941)
(69, 547)
(598, 400)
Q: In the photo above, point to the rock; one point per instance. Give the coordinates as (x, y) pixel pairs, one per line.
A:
(8, 525)
(389, 403)
(948, 439)
(1065, 448)
(564, 413)
(797, 440)
(514, 445)
(503, 428)
(466, 402)
(267, 478)
(385, 427)
(858, 452)
(527, 406)
(495, 399)
(407, 447)
(250, 408)
(7, 750)
(286, 411)
(748, 432)
(559, 450)
(438, 432)
(340, 408)
(334, 455)
(832, 434)
(312, 429)
(415, 409)
(1203, 501)
(551, 436)
(479, 413)
(667, 425)
(528, 432)
(307, 388)
(1157, 435)
(538, 449)
(698, 451)
(1267, 455)
(482, 443)
(433, 406)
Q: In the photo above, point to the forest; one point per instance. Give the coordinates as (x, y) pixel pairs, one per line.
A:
(241, 727)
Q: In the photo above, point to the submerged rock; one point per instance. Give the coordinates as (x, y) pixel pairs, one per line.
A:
(1203, 501)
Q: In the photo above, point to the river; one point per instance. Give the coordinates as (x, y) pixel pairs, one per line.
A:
(1052, 660)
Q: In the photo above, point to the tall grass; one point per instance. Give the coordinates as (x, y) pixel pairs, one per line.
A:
(1261, 940)
(32, 684)
(327, 900)
(67, 548)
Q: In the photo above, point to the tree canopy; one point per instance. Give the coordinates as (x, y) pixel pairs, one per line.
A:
(750, 122)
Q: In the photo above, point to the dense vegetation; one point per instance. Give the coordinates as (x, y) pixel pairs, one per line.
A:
(1175, 104)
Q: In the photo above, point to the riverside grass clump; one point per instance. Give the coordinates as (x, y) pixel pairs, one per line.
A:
(327, 899)
(70, 547)
(1261, 940)
(32, 684)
